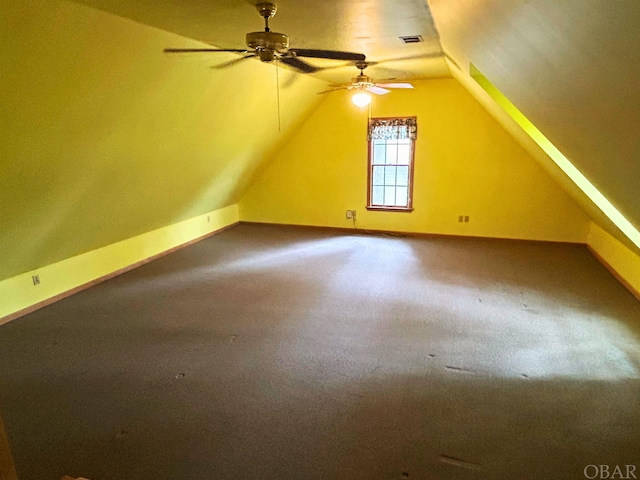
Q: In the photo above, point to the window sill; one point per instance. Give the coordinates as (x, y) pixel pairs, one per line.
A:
(390, 209)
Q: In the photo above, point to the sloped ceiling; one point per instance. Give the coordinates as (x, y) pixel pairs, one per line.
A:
(571, 67)
(372, 27)
(105, 137)
(71, 76)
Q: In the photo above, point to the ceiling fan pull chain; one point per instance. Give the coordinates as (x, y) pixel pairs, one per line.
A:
(278, 92)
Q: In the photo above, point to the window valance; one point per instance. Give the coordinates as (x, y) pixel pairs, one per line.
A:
(393, 128)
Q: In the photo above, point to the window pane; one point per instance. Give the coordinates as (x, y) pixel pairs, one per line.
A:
(402, 196)
(377, 196)
(402, 178)
(392, 153)
(379, 149)
(390, 171)
(389, 175)
(378, 175)
(404, 154)
(389, 195)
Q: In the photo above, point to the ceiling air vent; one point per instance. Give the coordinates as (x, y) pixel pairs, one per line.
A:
(412, 39)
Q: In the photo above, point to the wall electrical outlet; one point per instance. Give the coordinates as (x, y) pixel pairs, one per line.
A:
(351, 214)
(36, 279)
(460, 218)
(466, 219)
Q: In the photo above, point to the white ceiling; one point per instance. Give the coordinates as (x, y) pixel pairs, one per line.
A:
(372, 27)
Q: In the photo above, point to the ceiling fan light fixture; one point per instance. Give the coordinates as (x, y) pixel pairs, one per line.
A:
(266, 55)
(361, 99)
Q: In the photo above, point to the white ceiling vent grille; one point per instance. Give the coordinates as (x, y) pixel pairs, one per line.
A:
(412, 39)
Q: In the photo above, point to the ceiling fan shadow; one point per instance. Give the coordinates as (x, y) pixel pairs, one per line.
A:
(231, 63)
(290, 79)
(423, 56)
(406, 67)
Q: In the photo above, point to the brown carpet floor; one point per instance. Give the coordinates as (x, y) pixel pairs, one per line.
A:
(271, 352)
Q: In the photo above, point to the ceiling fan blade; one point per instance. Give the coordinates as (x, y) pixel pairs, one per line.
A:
(298, 64)
(378, 90)
(335, 89)
(330, 54)
(233, 62)
(201, 50)
(394, 85)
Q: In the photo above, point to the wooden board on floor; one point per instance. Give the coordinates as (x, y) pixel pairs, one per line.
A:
(7, 468)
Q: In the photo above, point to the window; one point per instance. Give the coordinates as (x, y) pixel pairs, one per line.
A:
(391, 154)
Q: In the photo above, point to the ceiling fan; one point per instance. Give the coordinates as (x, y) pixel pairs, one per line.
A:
(269, 46)
(363, 84)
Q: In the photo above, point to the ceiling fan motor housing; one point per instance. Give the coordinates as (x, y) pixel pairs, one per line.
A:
(275, 41)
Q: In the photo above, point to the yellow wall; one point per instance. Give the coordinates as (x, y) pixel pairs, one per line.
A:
(620, 258)
(466, 164)
(105, 137)
(577, 177)
(611, 236)
(19, 292)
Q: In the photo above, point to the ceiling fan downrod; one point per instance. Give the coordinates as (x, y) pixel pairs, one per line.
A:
(266, 11)
(267, 43)
(362, 81)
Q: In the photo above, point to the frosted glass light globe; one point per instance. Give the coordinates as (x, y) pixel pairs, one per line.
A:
(361, 99)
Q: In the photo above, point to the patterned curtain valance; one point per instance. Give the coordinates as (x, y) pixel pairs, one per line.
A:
(393, 128)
